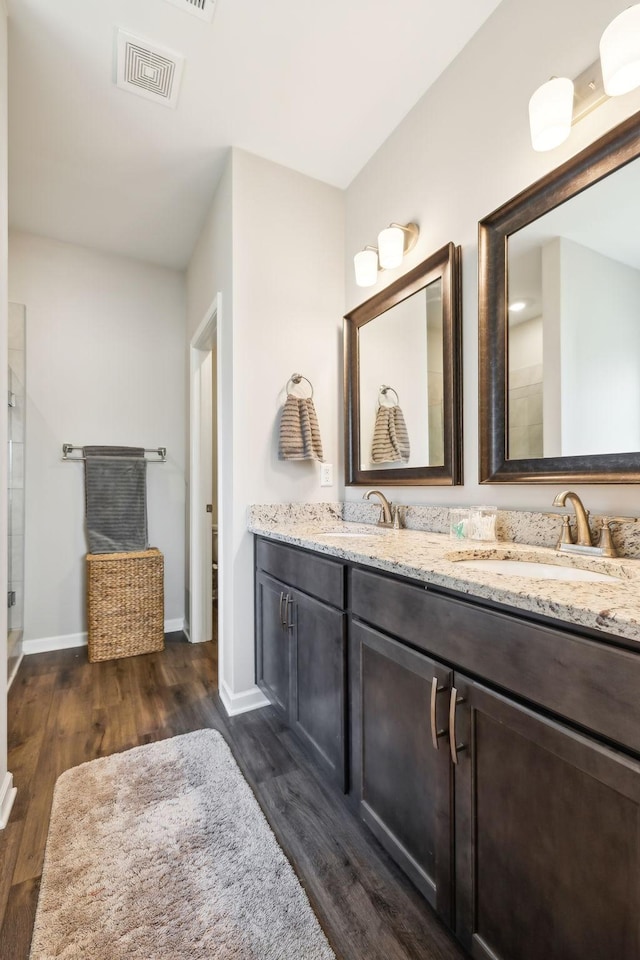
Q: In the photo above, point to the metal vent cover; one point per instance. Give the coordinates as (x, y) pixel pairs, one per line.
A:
(147, 70)
(204, 9)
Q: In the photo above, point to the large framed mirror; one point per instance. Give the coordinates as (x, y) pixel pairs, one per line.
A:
(403, 390)
(559, 319)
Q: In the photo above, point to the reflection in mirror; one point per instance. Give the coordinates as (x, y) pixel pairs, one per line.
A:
(401, 384)
(574, 325)
(559, 318)
(402, 379)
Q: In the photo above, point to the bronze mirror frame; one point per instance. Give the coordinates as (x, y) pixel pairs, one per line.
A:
(608, 154)
(445, 266)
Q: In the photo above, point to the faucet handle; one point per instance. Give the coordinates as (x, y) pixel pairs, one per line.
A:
(605, 542)
(566, 534)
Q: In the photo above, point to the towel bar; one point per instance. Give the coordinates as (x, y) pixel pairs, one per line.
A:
(161, 452)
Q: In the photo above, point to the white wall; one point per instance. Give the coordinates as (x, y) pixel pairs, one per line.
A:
(6, 794)
(105, 365)
(273, 247)
(288, 302)
(463, 151)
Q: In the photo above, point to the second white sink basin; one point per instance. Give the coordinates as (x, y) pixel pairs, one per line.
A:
(531, 570)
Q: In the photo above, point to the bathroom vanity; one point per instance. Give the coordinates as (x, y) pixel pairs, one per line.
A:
(487, 731)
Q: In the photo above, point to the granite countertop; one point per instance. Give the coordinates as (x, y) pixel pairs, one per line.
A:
(612, 608)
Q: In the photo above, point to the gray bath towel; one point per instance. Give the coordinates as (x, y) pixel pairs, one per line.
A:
(116, 499)
(299, 430)
(390, 437)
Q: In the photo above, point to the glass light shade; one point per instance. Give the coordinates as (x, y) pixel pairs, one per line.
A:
(550, 113)
(366, 267)
(391, 247)
(620, 53)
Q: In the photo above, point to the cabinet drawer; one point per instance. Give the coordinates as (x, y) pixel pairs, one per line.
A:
(314, 575)
(591, 683)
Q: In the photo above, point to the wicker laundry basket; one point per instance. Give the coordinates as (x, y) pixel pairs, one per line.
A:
(125, 600)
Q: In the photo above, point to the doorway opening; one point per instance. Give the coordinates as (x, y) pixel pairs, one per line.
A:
(205, 522)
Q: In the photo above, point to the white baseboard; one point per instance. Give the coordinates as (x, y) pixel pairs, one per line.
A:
(14, 671)
(45, 644)
(235, 703)
(7, 796)
(70, 640)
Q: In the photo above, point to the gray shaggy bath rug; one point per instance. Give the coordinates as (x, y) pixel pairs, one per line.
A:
(162, 853)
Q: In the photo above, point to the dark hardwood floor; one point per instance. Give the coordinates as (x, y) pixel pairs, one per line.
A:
(64, 711)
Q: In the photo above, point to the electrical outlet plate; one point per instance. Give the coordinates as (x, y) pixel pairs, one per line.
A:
(326, 474)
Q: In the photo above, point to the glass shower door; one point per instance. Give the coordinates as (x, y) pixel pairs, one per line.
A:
(15, 460)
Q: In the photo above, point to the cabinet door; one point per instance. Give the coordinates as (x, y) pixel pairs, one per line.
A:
(273, 643)
(404, 781)
(319, 681)
(547, 837)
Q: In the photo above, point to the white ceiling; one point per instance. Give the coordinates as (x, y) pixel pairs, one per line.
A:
(316, 86)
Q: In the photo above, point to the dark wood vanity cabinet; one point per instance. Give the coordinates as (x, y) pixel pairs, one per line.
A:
(534, 826)
(318, 691)
(547, 836)
(301, 650)
(274, 643)
(525, 838)
(403, 784)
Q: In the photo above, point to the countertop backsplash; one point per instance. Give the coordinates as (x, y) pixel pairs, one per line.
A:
(512, 526)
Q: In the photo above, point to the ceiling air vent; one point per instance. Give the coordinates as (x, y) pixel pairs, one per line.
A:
(148, 70)
(199, 8)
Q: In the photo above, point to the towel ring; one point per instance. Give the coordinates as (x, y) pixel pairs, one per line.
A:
(385, 390)
(296, 378)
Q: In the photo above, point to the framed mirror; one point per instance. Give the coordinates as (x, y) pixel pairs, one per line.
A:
(403, 390)
(559, 319)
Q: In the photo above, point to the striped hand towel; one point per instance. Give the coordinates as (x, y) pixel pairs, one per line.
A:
(299, 430)
(390, 437)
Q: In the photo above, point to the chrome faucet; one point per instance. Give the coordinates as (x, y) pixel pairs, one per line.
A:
(583, 531)
(386, 513)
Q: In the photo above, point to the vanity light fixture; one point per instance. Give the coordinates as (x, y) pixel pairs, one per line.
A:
(550, 113)
(366, 266)
(394, 242)
(559, 103)
(620, 53)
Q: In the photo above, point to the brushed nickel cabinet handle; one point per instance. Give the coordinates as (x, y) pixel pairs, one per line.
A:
(435, 734)
(281, 617)
(453, 746)
(288, 605)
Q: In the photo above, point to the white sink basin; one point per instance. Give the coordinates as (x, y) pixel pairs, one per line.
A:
(531, 570)
(363, 531)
